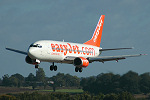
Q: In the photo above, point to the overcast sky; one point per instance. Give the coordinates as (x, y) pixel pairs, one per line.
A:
(127, 24)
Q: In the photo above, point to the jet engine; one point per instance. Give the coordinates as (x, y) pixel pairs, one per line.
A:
(32, 61)
(80, 62)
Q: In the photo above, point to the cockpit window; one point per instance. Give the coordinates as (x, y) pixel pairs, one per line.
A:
(36, 45)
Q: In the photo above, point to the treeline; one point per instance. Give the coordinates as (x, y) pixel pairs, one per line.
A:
(103, 83)
(111, 83)
(60, 80)
(67, 96)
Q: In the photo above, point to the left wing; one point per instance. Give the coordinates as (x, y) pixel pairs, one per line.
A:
(110, 58)
(18, 51)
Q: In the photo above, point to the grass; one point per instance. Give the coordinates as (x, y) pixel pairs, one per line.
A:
(5, 90)
(70, 90)
(65, 90)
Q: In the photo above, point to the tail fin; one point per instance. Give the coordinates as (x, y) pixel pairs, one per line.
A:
(96, 38)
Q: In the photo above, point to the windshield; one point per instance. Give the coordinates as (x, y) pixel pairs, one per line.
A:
(36, 45)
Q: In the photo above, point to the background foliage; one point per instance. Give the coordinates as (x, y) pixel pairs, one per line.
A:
(103, 83)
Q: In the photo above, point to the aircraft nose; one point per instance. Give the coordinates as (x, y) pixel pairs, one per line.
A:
(31, 52)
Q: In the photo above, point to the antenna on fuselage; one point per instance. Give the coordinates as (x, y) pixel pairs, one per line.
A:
(63, 40)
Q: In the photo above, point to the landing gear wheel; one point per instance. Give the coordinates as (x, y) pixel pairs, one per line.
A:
(76, 69)
(80, 70)
(36, 66)
(51, 67)
(55, 68)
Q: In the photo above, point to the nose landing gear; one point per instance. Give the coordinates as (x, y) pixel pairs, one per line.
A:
(36, 66)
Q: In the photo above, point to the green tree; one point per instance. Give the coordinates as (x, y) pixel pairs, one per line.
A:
(145, 83)
(111, 97)
(40, 75)
(0, 81)
(66, 80)
(125, 96)
(71, 81)
(59, 80)
(7, 97)
(100, 96)
(19, 78)
(14, 81)
(103, 83)
(6, 80)
(31, 77)
(88, 84)
(130, 82)
(30, 80)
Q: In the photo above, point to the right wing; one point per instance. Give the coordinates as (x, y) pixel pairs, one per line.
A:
(103, 58)
(111, 58)
(18, 51)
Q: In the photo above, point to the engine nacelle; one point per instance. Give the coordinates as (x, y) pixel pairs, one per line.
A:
(81, 62)
(32, 61)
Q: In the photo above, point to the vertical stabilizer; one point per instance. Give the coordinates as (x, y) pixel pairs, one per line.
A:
(96, 38)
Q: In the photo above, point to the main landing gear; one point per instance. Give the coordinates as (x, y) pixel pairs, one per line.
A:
(53, 67)
(78, 69)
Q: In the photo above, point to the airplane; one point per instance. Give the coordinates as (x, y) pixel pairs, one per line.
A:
(80, 55)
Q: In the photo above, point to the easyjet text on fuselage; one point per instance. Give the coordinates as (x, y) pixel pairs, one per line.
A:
(72, 49)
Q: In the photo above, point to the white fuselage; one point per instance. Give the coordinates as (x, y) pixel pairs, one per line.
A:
(56, 51)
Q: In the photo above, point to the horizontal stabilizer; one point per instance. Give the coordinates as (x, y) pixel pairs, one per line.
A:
(114, 49)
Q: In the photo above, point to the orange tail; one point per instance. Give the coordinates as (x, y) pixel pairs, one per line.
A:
(96, 38)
